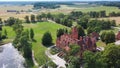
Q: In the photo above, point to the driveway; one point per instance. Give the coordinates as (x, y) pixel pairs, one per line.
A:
(56, 59)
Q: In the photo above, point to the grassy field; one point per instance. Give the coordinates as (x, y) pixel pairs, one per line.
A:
(39, 29)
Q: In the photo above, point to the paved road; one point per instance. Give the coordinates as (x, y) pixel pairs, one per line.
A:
(56, 59)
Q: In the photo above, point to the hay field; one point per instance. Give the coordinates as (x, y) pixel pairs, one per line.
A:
(4, 14)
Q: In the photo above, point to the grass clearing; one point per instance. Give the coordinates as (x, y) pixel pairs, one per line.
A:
(39, 30)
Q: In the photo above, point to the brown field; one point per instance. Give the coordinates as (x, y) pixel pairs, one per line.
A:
(117, 19)
(5, 15)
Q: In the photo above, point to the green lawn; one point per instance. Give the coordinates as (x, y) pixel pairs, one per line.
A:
(39, 29)
(100, 44)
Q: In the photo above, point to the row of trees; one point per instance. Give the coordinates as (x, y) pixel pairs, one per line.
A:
(10, 21)
(95, 14)
(114, 14)
(22, 40)
(96, 25)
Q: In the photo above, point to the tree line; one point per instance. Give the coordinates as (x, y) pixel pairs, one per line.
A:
(50, 5)
(23, 41)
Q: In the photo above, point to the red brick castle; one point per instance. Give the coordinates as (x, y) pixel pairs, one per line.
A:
(85, 43)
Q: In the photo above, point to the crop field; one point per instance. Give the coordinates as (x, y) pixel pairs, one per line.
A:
(4, 14)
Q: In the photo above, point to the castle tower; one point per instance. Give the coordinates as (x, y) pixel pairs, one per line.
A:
(74, 33)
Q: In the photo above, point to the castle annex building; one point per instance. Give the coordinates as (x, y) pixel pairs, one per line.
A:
(85, 43)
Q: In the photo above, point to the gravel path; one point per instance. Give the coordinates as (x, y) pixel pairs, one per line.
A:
(56, 59)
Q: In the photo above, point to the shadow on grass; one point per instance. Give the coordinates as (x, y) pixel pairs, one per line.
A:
(29, 63)
(48, 45)
(33, 40)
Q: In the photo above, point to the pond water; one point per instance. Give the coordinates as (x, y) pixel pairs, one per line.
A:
(10, 57)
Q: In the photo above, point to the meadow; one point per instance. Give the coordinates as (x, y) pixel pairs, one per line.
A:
(39, 29)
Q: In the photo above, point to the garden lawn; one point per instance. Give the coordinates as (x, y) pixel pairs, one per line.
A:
(39, 29)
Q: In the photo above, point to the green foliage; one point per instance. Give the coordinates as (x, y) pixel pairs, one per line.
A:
(61, 32)
(21, 41)
(103, 36)
(33, 18)
(108, 37)
(74, 62)
(47, 39)
(0, 35)
(80, 31)
(111, 56)
(91, 29)
(31, 34)
(11, 20)
(27, 20)
(74, 49)
(93, 60)
(39, 18)
(83, 21)
(18, 28)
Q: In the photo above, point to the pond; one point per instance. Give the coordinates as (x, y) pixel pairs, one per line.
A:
(10, 57)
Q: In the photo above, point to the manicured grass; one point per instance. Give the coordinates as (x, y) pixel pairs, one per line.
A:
(39, 29)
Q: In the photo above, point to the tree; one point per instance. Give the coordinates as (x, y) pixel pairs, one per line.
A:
(38, 18)
(90, 30)
(27, 19)
(80, 31)
(47, 39)
(11, 21)
(103, 36)
(74, 62)
(0, 35)
(111, 56)
(33, 18)
(1, 21)
(102, 13)
(5, 34)
(109, 37)
(93, 60)
(83, 21)
(31, 34)
(25, 45)
(49, 15)
(18, 28)
(60, 32)
(74, 49)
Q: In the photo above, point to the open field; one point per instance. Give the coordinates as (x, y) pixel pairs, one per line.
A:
(63, 9)
(84, 8)
(4, 14)
(39, 29)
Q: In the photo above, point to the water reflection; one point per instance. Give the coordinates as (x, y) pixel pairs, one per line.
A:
(10, 57)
